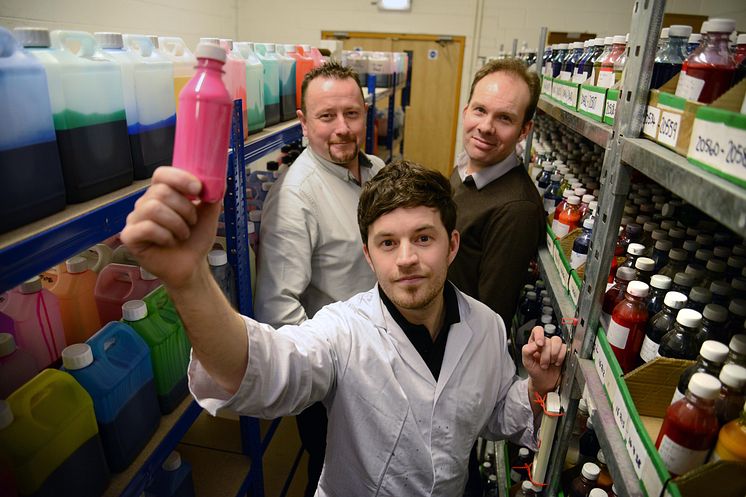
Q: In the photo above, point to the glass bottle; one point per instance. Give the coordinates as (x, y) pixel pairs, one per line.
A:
(737, 315)
(582, 485)
(579, 253)
(585, 203)
(697, 272)
(544, 179)
(683, 282)
(660, 254)
(699, 297)
(569, 218)
(634, 250)
(690, 427)
(715, 270)
(735, 266)
(694, 40)
(571, 61)
(691, 248)
(588, 445)
(732, 393)
(714, 318)
(591, 212)
(671, 56)
(681, 341)
(737, 350)
(711, 358)
(558, 209)
(558, 58)
(626, 330)
(659, 286)
(604, 481)
(615, 294)
(579, 74)
(661, 324)
(518, 471)
(644, 267)
(607, 76)
(721, 252)
(677, 236)
(551, 194)
(608, 42)
(708, 72)
(632, 234)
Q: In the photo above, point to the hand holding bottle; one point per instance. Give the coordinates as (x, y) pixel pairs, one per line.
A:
(543, 360)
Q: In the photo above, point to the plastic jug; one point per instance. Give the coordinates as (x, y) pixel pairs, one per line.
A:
(303, 65)
(32, 314)
(169, 351)
(313, 52)
(287, 84)
(48, 433)
(254, 86)
(74, 290)
(380, 64)
(358, 62)
(173, 478)
(114, 367)
(17, 366)
(120, 283)
(87, 100)
(271, 67)
(8, 486)
(203, 124)
(98, 256)
(223, 274)
(184, 62)
(28, 146)
(234, 77)
(153, 138)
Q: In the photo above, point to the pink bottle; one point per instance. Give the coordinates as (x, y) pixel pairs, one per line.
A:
(313, 53)
(303, 64)
(74, 290)
(17, 366)
(119, 283)
(33, 314)
(234, 77)
(203, 124)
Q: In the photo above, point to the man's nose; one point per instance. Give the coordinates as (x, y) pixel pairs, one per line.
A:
(407, 255)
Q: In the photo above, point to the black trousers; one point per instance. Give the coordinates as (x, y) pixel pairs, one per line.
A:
(312, 430)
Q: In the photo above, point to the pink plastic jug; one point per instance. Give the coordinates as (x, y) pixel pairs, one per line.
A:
(234, 77)
(17, 366)
(32, 314)
(74, 289)
(313, 53)
(119, 283)
(203, 124)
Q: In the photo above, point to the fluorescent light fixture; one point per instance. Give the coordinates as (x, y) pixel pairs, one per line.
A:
(395, 4)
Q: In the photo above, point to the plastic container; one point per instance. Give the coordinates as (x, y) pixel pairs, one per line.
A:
(234, 77)
(168, 344)
(120, 283)
(48, 434)
(288, 82)
(28, 146)
(731, 443)
(627, 327)
(582, 485)
(303, 65)
(569, 218)
(87, 99)
(254, 86)
(312, 52)
(17, 366)
(608, 43)
(711, 358)
(203, 124)
(74, 289)
(681, 341)
(97, 256)
(732, 393)
(615, 294)
(267, 56)
(380, 65)
(358, 62)
(659, 286)
(708, 72)
(579, 253)
(737, 350)
(223, 274)
(714, 318)
(184, 62)
(644, 267)
(32, 315)
(671, 56)
(114, 367)
(173, 478)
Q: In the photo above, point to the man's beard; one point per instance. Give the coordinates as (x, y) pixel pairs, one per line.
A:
(342, 160)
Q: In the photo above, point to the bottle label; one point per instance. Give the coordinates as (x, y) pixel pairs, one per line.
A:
(679, 459)
(676, 396)
(689, 87)
(617, 334)
(565, 75)
(577, 260)
(649, 349)
(555, 226)
(606, 79)
(562, 229)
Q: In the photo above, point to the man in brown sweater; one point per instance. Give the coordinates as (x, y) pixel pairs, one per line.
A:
(500, 213)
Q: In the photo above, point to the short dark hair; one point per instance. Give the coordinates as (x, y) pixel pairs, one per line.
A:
(329, 70)
(405, 184)
(518, 68)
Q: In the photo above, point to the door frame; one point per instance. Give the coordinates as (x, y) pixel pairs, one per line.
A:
(439, 39)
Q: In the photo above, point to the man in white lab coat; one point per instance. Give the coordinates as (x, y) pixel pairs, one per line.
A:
(403, 411)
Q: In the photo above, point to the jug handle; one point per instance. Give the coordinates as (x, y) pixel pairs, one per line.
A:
(8, 44)
(172, 45)
(140, 43)
(86, 40)
(113, 334)
(27, 407)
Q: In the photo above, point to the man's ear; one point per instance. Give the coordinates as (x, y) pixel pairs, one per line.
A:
(453, 245)
(367, 256)
(302, 119)
(525, 129)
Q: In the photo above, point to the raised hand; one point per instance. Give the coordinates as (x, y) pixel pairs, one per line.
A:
(542, 359)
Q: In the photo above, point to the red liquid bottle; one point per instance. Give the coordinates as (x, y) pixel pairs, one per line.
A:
(569, 217)
(615, 294)
(627, 328)
(709, 70)
(690, 427)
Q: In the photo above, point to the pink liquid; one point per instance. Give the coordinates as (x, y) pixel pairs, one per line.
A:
(16, 369)
(203, 124)
(234, 77)
(117, 284)
(303, 64)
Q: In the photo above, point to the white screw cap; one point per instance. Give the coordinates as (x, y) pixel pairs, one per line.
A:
(733, 375)
(7, 344)
(77, 356)
(210, 51)
(217, 258)
(660, 281)
(31, 285)
(689, 318)
(108, 40)
(76, 265)
(134, 310)
(714, 351)
(172, 462)
(638, 289)
(675, 300)
(738, 344)
(591, 471)
(704, 386)
(33, 37)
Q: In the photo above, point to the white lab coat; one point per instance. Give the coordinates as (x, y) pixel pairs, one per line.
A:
(393, 430)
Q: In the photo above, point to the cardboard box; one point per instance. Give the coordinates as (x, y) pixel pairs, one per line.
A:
(612, 98)
(592, 101)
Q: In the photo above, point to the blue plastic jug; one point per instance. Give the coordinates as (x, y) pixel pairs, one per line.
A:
(31, 172)
(115, 369)
(173, 479)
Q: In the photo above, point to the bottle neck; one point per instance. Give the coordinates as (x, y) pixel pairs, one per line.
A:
(709, 366)
(700, 402)
(209, 64)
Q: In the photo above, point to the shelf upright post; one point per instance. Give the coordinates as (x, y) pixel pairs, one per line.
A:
(371, 114)
(390, 121)
(647, 17)
(530, 136)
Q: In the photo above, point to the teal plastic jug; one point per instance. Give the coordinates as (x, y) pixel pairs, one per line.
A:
(271, 65)
(287, 84)
(254, 86)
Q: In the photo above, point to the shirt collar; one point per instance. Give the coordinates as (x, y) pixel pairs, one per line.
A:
(488, 174)
(342, 172)
(450, 304)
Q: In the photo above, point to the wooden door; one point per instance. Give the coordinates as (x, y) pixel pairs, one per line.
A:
(432, 117)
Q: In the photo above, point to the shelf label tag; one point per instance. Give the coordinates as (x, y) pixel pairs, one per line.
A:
(610, 110)
(568, 95)
(719, 146)
(591, 102)
(621, 415)
(574, 291)
(668, 129)
(650, 124)
(636, 450)
(546, 86)
(602, 367)
(550, 243)
(606, 79)
(564, 273)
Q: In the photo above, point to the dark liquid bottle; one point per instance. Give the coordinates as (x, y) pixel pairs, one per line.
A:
(582, 485)
(711, 358)
(661, 324)
(671, 56)
(730, 402)
(681, 341)
(714, 318)
(659, 287)
(699, 297)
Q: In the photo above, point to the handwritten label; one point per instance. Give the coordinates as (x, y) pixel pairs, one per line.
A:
(579, 76)
(599, 360)
(636, 450)
(546, 86)
(720, 146)
(689, 87)
(566, 94)
(564, 273)
(668, 129)
(650, 477)
(548, 69)
(550, 243)
(591, 102)
(565, 75)
(621, 415)
(610, 110)
(650, 124)
(574, 291)
(606, 79)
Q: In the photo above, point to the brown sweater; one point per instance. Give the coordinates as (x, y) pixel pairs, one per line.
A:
(501, 227)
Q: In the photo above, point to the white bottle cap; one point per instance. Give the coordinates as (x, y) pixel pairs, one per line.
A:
(588, 223)
(636, 249)
(716, 313)
(210, 51)
(664, 33)
(7, 344)
(689, 318)
(217, 258)
(555, 177)
(134, 310)
(701, 295)
(695, 38)
(638, 288)
(608, 40)
(704, 386)
(664, 245)
(33, 37)
(567, 193)
(620, 39)
(172, 462)
(550, 329)
(714, 351)
(31, 285)
(562, 46)
(645, 264)
(6, 414)
(226, 43)
(680, 30)
(588, 198)
(211, 41)
(76, 265)
(675, 300)
(108, 40)
(591, 471)
(255, 216)
(598, 42)
(523, 452)
(719, 25)
(597, 492)
(733, 375)
(660, 281)
(601, 457)
(267, 185)
(147, 275)
(690, 245)
(77, 356)
(738, 344)
(545, 320)
(573, 200)
(737, 307)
